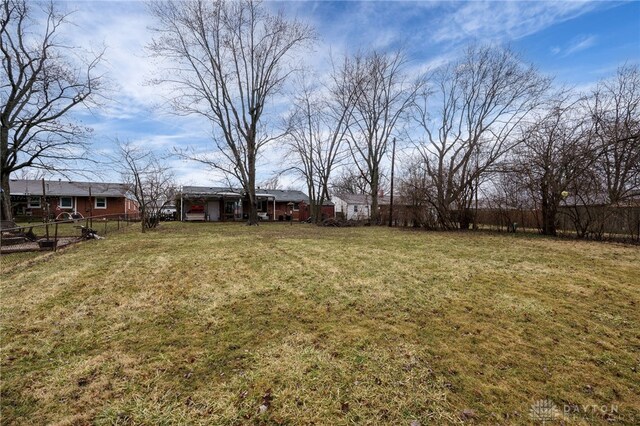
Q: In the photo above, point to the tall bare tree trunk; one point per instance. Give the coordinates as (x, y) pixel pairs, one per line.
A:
(251, 192)
(375, 185)
(6, 198)
(548, 211)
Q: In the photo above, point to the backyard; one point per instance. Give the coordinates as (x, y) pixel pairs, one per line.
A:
(227, 324)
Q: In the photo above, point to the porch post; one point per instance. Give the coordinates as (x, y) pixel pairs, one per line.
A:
(182, 204)
(274, 209)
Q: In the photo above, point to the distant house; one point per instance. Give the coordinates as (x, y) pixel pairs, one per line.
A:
(223, 204)
(355, 206)
(85, 198)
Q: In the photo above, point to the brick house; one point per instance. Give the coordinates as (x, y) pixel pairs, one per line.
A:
(223, 204)
(85, 198)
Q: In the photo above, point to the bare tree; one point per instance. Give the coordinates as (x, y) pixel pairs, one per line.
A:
(413, 190)
(614, 107)
(556, 156)
(349, 182)
(41, 81)
(150, 181)
(470, 116)
(316, 129)
(230, 58)
(385, 95)
(508, 199)
(272, 183)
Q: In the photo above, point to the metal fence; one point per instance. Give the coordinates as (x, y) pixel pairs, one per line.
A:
(50, 236)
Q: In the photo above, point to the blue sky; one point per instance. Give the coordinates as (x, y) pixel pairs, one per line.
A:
(576, 42)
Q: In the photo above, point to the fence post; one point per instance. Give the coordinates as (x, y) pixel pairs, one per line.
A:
(55, 244)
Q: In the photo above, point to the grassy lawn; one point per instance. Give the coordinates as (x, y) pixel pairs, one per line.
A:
(277, 324)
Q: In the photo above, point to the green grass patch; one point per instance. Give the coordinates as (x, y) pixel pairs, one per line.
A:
(227, 324)
(12, 260)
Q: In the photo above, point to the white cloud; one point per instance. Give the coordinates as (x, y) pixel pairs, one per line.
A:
(577, 44)
(580, 43)
(493, 22)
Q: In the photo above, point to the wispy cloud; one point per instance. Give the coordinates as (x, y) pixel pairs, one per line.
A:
(486, 21)
(581, 43)
(577, 44)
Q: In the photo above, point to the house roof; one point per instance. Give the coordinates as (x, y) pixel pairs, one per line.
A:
(361, 199)
(600, 199)
(289, 196)
(67, 188)
(279, 194)
(209, 191)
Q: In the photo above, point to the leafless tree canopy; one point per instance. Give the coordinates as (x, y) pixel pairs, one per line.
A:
(151, 182)
(615, 110)
(577, 164)
(470, 115)
(228, 59)
(316, 130)
(41, 81)
(555, 156)
(349, 181)
(385, 95)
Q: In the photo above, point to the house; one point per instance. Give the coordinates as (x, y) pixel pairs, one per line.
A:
(356, 206)
(85, 198)
(214, 204)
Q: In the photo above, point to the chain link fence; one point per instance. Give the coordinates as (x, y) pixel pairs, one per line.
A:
(21, 242)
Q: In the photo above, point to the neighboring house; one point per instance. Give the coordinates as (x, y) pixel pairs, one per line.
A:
(215, 204)
(356, 206)
(85, 198)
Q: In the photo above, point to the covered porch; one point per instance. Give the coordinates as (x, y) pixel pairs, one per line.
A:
(223, 206)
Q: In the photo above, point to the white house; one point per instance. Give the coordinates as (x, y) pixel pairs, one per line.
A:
(355, 206)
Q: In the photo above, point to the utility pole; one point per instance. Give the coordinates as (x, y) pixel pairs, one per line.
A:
(393, 161)
(90, 209)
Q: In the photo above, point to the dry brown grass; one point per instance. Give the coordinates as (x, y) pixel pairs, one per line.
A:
(204, 323)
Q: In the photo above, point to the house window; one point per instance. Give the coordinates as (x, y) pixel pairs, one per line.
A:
(101, 202)
(296, 207)
(34, 203)
(262, 205)
(355, 209)
(66, 202)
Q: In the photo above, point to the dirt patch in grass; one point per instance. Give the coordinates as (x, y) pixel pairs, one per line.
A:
(277, 324)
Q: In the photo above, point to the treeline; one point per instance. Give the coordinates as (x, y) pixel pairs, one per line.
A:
(486, 132)
(573, 160)
(485, 126)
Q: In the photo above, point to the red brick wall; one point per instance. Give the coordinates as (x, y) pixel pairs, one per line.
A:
(115, 206)
(326, 211)
(302, 213)
(282, 209)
